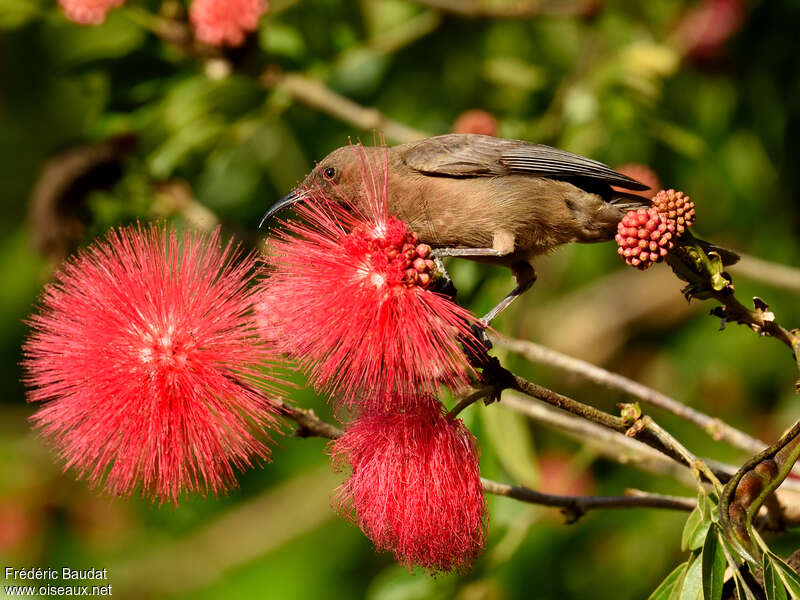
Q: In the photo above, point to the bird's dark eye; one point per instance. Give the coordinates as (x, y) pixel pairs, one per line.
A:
(329, 173)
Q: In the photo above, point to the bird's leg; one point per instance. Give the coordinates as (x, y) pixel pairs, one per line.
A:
(468, 252)
(525, 276)
(443, 283)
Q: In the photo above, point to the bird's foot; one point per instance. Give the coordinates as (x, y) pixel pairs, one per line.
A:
(476, 345)
(494, 378)
(468, 252)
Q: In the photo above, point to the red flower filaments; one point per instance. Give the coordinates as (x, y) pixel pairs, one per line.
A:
(145, 355)
(415, 487)
(357, 311)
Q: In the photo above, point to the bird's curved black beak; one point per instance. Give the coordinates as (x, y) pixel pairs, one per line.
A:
(287, 200)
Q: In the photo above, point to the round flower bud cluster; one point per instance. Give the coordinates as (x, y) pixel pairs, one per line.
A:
(677, 207)
(644, 237)
(422, 267)
(392, 254)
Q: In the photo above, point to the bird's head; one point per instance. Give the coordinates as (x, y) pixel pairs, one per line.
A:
(350, 175)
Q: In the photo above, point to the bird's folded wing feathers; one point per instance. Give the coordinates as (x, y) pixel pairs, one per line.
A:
(460, 155)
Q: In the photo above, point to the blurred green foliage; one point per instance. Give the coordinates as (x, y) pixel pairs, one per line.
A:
(614, 85)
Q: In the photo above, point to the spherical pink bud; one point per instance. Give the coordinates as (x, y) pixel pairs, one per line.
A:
(676, 207)
(652, 241)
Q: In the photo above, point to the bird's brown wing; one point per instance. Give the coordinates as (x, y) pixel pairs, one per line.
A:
(470, 155)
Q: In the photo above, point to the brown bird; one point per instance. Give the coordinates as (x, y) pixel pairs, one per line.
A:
(488, 199)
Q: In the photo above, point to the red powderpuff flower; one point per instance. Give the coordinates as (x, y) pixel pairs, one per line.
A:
(88, 12)
(225, 22)
(644, 237)
(415, 487)
(144, 351)
(357, 310)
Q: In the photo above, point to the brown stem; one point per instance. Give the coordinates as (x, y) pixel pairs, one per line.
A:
(309, 424)
(627, 451)
(479, 394)
(644, 429)
(315, 94)
(760, 321)
(715, 427)
(774, 274)
(566, 403)
(576, 506)
(514, 9)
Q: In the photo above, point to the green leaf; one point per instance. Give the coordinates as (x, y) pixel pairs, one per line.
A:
(664, 591)
(695, 530)
(398, 583)
(788, 575)
(773, 585)
(283, 40)
(743, 591)
(512, 442)
(15, 13)
(72, 44)
(692, 586)
(708, 506)
(714, 563)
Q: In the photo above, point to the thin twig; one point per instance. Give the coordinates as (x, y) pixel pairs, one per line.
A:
(590, 413)
(628, 451)
(576, 506)
(648, 429)
(315, 94)
(309, 424)
(760, 320)
(515, 9)
(715, 427)
(645, 428)
(610, 444)
(479, 394)
(764, 271)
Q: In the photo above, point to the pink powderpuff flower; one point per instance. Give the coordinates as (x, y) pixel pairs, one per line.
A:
(356, 307)
(144, 351)
(225, 22)
(415, 487)
(88, 12)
